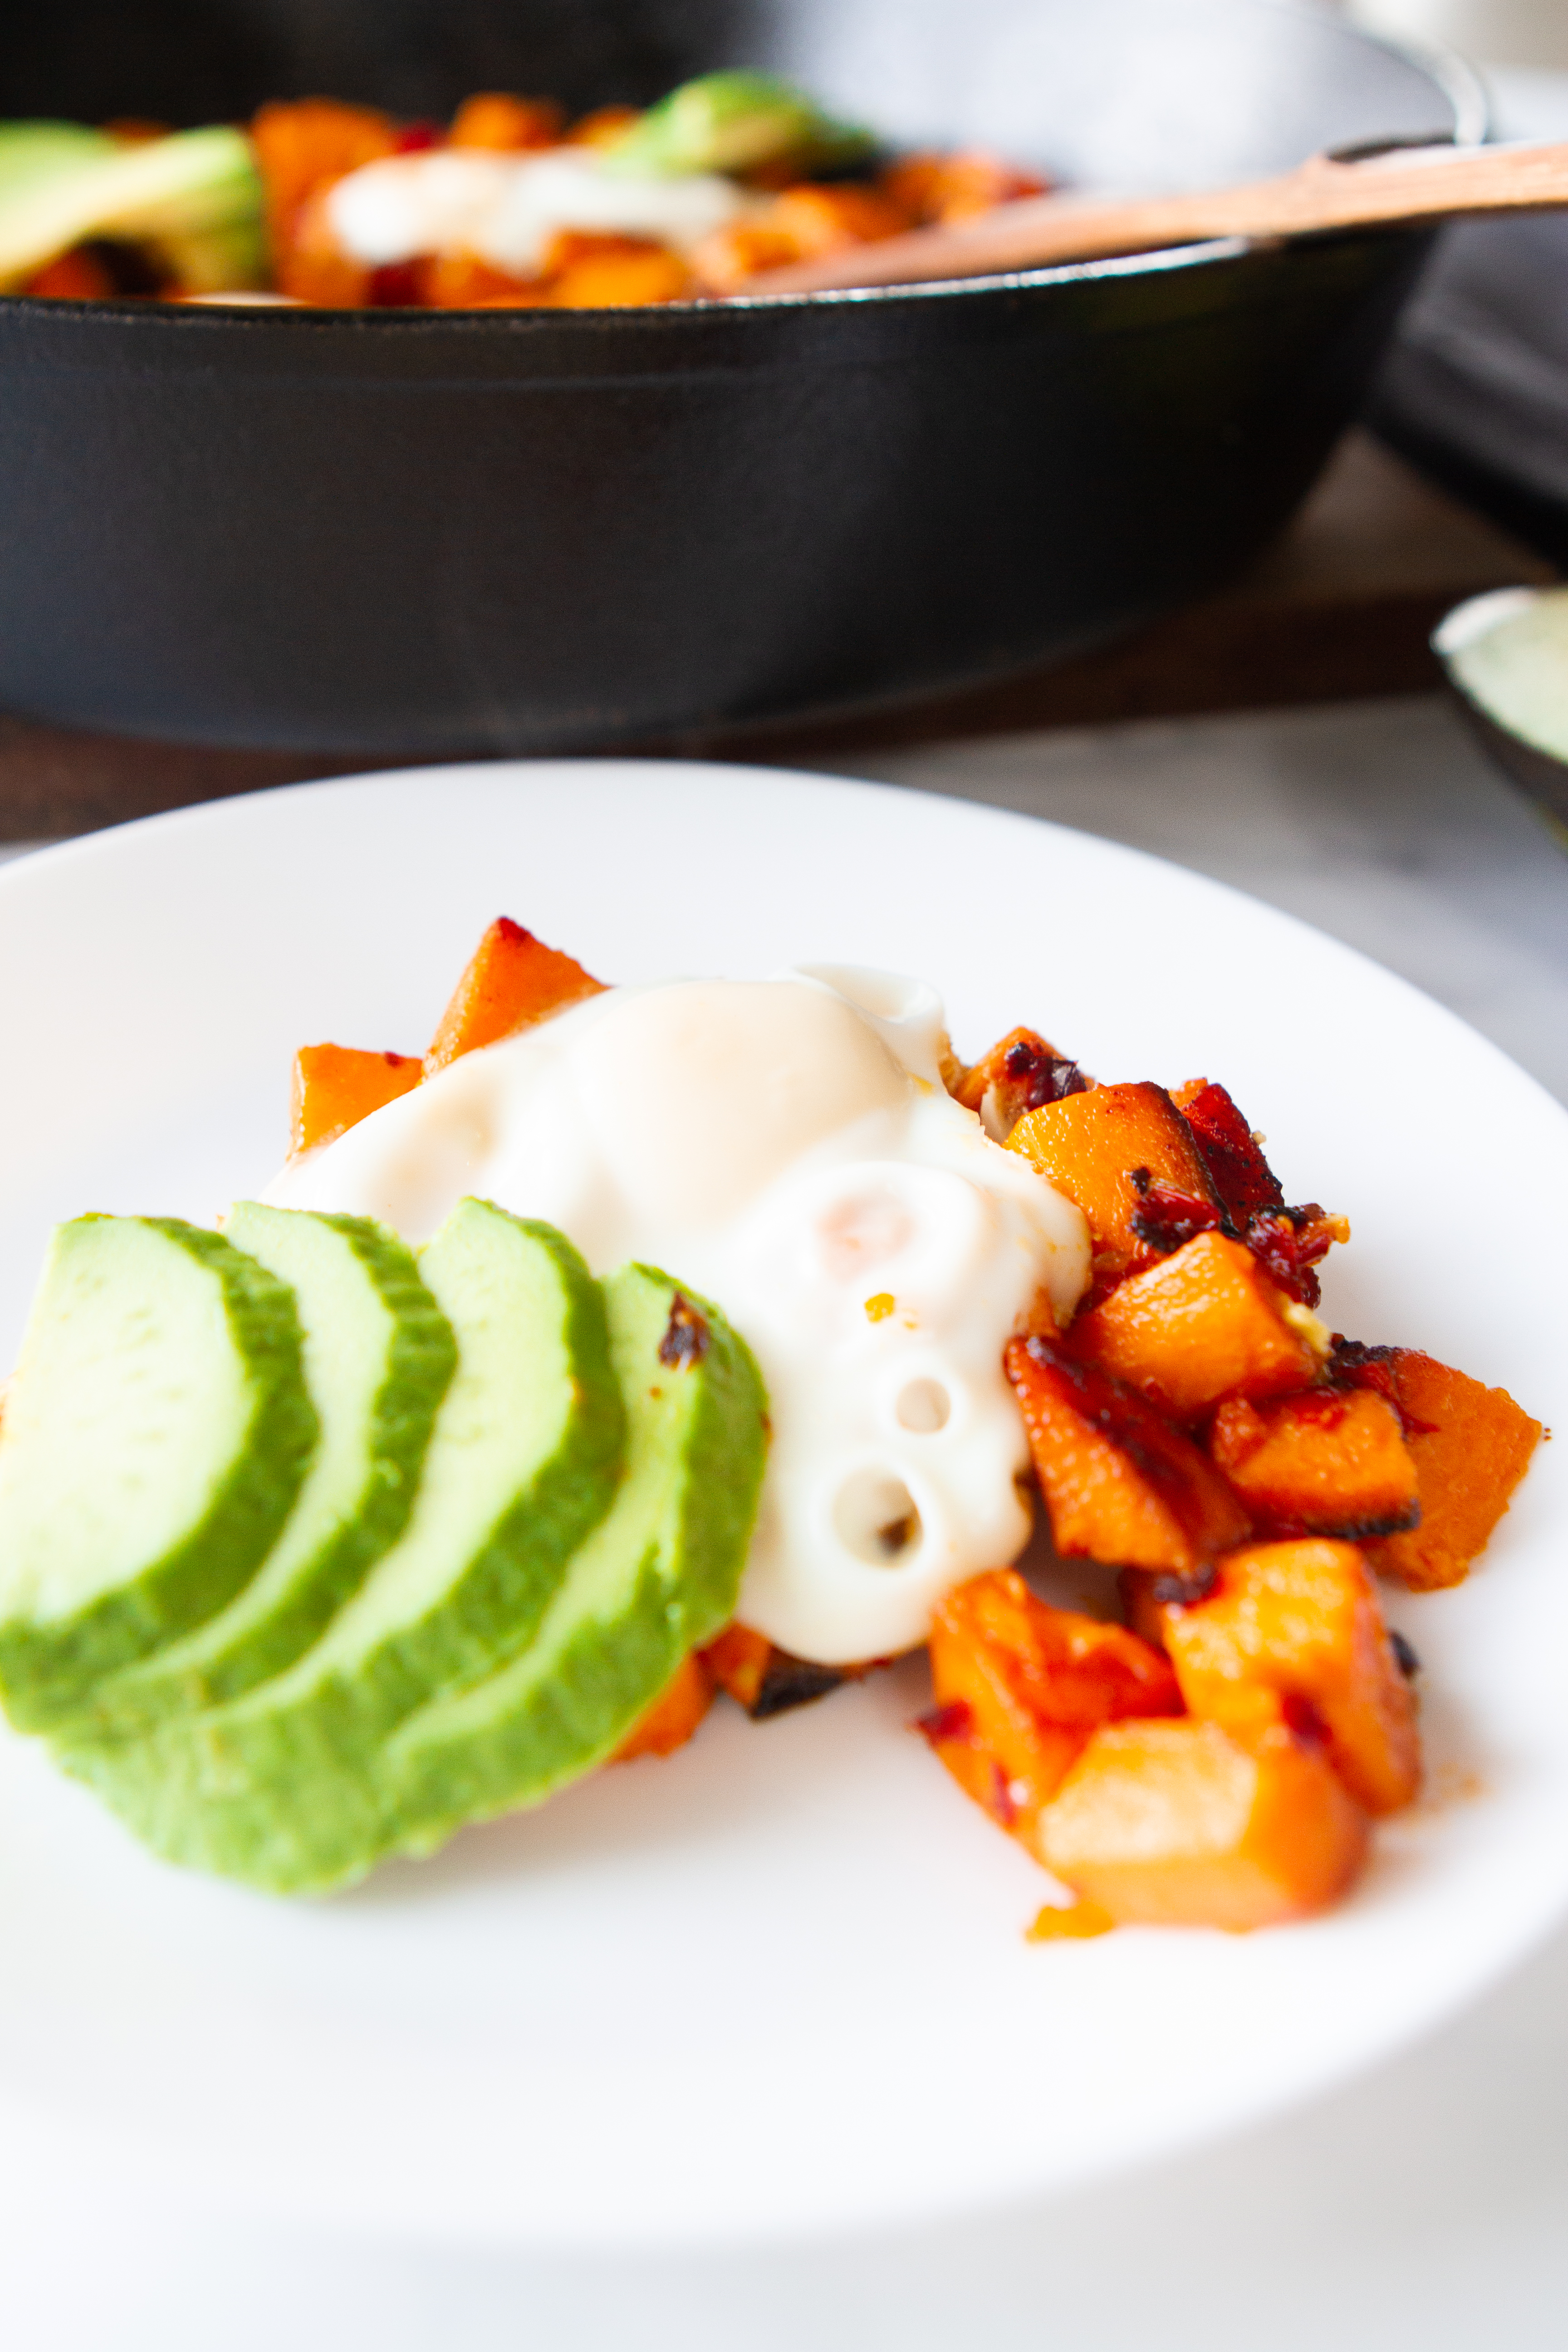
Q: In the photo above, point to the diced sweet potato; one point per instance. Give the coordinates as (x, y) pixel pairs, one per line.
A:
(1102, 1148)
(1020, 1072)
(674, 1716)
(956, 186)
(611, 273)
(512, 982)
(496, 120)
(1334, 1462)
(1199, 1325)
(462, 281)
(1173, 1824)
(334, 1087)
(1120, 1484)
(302, 145)
(1300, 1622)
(1020, 1685)
(1471, 1446)
(765, 1680)
(78, 275)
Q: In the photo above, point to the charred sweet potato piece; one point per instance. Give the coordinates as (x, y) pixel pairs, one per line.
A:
(1175, 1825)
(611, 273)
(1334, 1462)
(1120, 1484)
(1019, 1686)
(765, 1680)
(496, 120)
(1103, 1149)
(1471, 1446)
(334, 1087)
(1298, 1624)
(302, 146)
(1020, 1072)
(674, 1716)
(78, 275)
(1199, 1325)
(950, 187)
(512, 981)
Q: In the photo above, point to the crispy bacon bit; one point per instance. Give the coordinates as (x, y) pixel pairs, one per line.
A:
(414, 137)
(1169, 1216)
(1302, 1718)
(1404, 1655)
(686, 1336)
(953, 1721)
(1004, 1805)
(1289, 1243)
(1241, 1176)
(397, 285)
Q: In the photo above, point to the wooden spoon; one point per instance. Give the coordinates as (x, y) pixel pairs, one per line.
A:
(1396, 186)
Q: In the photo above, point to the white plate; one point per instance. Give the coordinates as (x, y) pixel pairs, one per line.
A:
(778, 1984)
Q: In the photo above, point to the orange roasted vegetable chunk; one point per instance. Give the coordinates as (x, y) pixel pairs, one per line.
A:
(1300, 1622)
(1120, 1484)
(1175, 1825)
(610, 273)
(1199, 1325)
(78, 275)
(1103, 1148)
(512, 981)
(334, 1087)
(1019, 1686)
(494, 119)
(950, 187)
(765, 1680)
(462, 281)
(674, 1716)
(302, 147)
(1334, 1462)
(1471, 1446)
(1020, 1072)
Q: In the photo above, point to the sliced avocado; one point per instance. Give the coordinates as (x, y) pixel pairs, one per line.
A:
(199, 192)
(656, 1578)
(378, 1356)
(1507, 652)
(157, 1432)
(732, 122)
(281, 1787)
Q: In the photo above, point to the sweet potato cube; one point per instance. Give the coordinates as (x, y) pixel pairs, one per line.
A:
(1090, 1147)
(1471, 1446)
(674, 1716)
(512, 982)
(334, 1087)
(1120, 1484)
(1334, 1462)
(1173, 1824)
(1298, 1623)
(765, 1680)
(1199, 1325)
(1018, 1074)
(1020, 1685)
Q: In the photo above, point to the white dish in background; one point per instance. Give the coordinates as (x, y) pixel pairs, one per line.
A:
(776, 1986)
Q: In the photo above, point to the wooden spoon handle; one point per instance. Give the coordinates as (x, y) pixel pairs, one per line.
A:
(1406, 185)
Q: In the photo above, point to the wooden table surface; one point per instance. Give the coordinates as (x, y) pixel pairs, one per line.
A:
(1339, 610)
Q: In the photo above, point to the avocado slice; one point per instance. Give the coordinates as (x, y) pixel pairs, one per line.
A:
(656, 1578)
(378, 1356)
(280, 1787)
(157, 1434)
(195, 196)
(732, 122)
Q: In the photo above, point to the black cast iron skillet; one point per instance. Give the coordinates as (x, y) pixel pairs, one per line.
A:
(400, 532)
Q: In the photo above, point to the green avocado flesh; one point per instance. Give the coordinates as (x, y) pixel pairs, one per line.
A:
(280, 1787)
(656, 1578)
(379, 1358)
(1515, 667)
(198, 191)
(157, 1435)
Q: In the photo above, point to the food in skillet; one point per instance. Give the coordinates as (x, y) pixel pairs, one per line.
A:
(420, 1490)
(508, 205)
